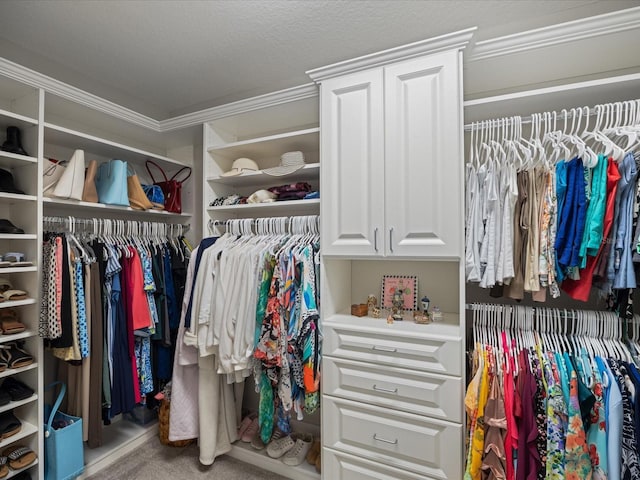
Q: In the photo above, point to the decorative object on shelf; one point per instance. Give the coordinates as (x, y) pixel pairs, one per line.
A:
(7, 184)
(171, 187)
(425, 303)
(7, 227)
(63, 447)
(89, 192)
(111, 183)
(241, 165)
(375, 312)
(13, 143)
(155, 195)
(436, 314)
(137, 198)
(71, 182)
(421, 317)
(372, 302)
(389, 319)
(402, 288)
(359, 309)
(52, 170)
(289, 162)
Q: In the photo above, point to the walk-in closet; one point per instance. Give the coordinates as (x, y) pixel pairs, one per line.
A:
(319, 240)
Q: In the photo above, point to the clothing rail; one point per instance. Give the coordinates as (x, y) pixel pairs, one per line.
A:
(269, 225)
(101, 226)
(616, 108)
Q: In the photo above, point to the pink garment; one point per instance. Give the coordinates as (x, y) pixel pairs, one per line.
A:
(511, 438)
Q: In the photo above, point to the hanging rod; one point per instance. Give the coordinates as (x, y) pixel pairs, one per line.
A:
(569, 113)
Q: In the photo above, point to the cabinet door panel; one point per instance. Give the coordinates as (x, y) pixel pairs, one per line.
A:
(423, 161)
(352, 149)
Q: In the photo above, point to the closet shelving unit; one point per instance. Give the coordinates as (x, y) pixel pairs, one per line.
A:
(20, 106)
(68, 125)
(263, 134)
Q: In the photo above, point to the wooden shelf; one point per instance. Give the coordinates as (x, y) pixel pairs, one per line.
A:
(27, 429)
(288, 208)
(311, 171)
(74, 139)
(16, 197)
(79, 206)
(8, 159)
(270, 146)
(18, 403)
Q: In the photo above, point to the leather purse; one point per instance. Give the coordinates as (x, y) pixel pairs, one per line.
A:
(137, 197)
(71, 182)
(171, 187)
(89, 192)
(111, 183)
(51, 173)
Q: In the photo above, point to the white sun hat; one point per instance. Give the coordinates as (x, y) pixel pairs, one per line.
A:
(289, 163)
(240, 166)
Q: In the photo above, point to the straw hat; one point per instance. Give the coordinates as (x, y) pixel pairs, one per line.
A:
(240, 166)
(289, 163)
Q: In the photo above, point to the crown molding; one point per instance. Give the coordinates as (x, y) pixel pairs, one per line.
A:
(61, 89)
(449, 41)
(308, 90)
(606, 24)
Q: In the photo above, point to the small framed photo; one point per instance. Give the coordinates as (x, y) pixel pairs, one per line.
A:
(407, 285)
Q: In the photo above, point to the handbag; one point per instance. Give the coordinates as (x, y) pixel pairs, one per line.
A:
(171, 188)
(137, 198)
(89, 192)
(155, 195)
(51, 173)
(111, 183)
(71, 182)
(63, 447)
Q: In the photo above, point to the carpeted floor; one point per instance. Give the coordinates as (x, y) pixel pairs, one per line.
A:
(154, 461)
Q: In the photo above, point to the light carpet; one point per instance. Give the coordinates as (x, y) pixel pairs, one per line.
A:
(154, 461)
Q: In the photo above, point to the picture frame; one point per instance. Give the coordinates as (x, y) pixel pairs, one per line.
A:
(409, 283)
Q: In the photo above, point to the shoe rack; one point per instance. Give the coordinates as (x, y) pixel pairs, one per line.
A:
(20, 106)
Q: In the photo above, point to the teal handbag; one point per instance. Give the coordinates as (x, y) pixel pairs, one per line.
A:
(111, 183)
(63, 447)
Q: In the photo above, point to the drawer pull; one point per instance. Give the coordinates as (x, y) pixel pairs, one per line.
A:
(387, 390)
(380, 439)
(382, 349)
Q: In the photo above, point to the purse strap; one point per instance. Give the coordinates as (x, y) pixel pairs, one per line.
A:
(146, 164)
(179, 172)
(56, 405)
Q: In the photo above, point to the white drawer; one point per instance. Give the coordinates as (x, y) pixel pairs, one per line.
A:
(428, 447)
(342, 466)
(391, 387)
(438, 353)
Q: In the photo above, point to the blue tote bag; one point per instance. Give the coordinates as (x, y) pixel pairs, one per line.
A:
(111, 183)
(63, 447)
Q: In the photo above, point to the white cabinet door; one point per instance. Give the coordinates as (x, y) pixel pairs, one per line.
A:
(423, 161)
(352, 171)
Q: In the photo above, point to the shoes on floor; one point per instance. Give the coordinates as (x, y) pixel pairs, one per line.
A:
(277, 448)
(250, 430)
(314, 452)
(296, 455)
(246, 422)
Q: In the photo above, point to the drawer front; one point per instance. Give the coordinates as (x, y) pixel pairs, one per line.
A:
(422, 393)
(436, 354)
(342, 466)
(428, 447)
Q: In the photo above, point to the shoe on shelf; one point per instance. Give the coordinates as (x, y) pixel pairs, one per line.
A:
(12, 143)
(14, 355)
(9, 425)
(246, 422)
(7, 227)
(20, 456)
(250, 431)
(10, 322)
(7, 184)
(313, 452)
(277, 448)
(297, 454)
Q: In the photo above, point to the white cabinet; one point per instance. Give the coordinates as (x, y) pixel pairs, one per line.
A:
(391, 156)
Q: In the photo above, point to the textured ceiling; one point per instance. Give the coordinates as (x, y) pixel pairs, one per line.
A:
(164, 58)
